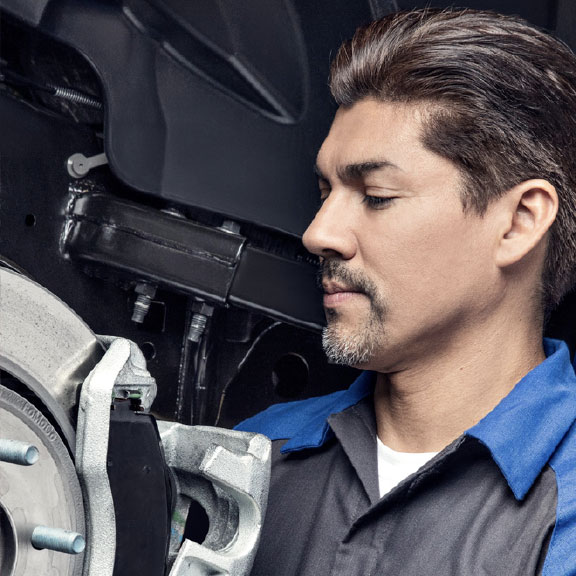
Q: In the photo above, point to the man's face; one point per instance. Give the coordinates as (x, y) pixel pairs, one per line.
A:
(405, 271)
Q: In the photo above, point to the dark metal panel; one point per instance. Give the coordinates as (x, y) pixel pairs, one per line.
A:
(276, 286)
(177, 130)
(151, 244)
(33, 200)
(144, 243)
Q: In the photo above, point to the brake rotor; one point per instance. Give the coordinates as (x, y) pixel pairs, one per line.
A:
(45, 346)
(46, 493)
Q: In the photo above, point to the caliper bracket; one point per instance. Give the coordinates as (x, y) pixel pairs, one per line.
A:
(226, 472)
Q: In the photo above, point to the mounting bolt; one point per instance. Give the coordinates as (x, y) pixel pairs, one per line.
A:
(57, 539)
(202, 312)
(230, 226)
(172, 211)
(146, 293)
(16, 452)
(197, 327)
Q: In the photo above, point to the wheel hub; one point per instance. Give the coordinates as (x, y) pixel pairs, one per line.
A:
(46, 493)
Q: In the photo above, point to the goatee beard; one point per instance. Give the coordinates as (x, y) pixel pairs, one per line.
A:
(352, 347)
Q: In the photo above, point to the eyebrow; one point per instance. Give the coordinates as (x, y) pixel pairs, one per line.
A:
(356, 171)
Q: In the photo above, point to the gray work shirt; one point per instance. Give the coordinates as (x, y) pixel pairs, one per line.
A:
(499, 501)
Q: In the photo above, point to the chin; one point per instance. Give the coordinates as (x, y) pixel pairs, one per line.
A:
(356, 347)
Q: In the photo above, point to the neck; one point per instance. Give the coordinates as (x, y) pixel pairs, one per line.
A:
(427, 405)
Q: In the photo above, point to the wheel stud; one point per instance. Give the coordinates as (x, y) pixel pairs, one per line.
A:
(16, 452)
(44, 537)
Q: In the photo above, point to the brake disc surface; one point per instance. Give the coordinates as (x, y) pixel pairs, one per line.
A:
(45, 494)
(45, 346)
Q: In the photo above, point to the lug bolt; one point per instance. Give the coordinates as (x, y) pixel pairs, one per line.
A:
(16, 452)
(57, 539)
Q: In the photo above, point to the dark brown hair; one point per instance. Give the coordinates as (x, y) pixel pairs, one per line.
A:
(501, 96)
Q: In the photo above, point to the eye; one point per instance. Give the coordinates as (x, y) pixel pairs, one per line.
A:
(324, 193)
(377, 201)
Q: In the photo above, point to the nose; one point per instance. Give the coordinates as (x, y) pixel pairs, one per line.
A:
(330, 234)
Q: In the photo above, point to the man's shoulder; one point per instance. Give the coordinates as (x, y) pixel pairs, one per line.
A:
(282, 421)
(306, 419)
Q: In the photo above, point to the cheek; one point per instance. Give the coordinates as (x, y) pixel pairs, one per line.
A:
(434, 255)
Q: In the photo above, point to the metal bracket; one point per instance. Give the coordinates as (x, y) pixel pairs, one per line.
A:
(133, 380)
(122, 364)
(79, 165)
(228, 473)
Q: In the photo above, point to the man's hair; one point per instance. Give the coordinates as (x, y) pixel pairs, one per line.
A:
(499, 100)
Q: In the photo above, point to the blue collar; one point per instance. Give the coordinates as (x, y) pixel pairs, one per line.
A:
(304, 422)
(522, 432)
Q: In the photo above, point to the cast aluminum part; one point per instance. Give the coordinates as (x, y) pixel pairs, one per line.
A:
(228, 473)
(91, 454)
(133, 380)
(121, 373)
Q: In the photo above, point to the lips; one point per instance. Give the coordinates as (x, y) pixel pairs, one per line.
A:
(330, 288)
(335, 294)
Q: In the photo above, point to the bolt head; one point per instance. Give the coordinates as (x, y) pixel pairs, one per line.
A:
(145, 289)
(201, 307)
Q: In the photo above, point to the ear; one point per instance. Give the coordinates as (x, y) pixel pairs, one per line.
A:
(530, 209)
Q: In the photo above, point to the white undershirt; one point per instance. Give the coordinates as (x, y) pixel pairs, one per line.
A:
(394, 466)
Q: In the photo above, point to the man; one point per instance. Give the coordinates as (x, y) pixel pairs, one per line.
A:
(446, 234)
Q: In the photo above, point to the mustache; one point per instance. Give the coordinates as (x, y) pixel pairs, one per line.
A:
(340, 272)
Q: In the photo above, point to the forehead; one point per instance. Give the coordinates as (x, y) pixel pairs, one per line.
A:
(375, 131)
